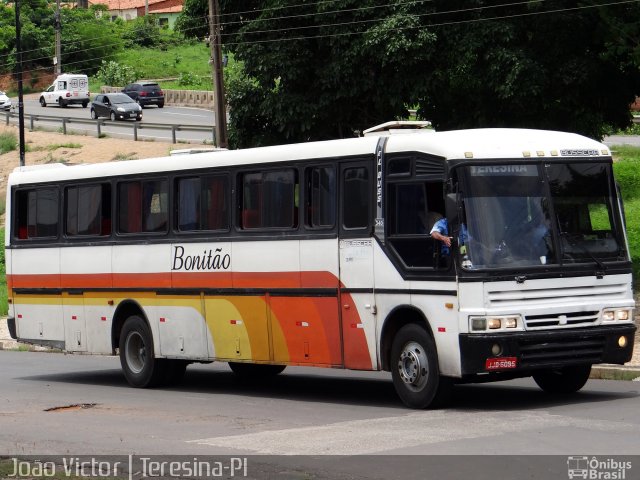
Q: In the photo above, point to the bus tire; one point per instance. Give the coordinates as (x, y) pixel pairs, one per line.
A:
(139, 365)
(563, 380)
(414, 369)
(256, 370)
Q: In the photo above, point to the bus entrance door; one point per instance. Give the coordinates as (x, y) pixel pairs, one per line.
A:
(357, 303)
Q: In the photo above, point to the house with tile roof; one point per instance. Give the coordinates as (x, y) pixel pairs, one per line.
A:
(167, 11)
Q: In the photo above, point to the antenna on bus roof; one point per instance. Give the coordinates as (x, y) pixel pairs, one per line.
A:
(399, 127)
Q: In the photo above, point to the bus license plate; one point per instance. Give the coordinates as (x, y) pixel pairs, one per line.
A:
(501, 363)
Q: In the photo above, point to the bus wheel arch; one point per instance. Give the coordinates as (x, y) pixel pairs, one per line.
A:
(124, 310)
(398, 318)
(408, 350)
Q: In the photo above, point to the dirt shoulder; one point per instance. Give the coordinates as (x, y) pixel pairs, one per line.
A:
(51, 147)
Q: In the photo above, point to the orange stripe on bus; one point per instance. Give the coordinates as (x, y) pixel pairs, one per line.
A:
(176, 280)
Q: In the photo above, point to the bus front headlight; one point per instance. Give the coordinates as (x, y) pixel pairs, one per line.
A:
(619, 314)
(495, 322)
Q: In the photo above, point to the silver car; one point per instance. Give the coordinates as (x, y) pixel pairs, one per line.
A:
(5, 101)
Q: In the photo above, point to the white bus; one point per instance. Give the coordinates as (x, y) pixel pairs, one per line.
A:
(320, 254)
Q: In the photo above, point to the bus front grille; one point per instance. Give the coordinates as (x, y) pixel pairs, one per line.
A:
(567, 319)
(561, 351)
(556, 295)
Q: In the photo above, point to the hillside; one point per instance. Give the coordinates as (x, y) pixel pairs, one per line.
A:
(50, 147)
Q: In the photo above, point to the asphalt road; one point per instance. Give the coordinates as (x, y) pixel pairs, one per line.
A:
(124, 129)
(295, 420)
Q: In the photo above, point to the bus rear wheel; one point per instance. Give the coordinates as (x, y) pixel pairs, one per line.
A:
(255, 370)
(414, 369)
(563, 380)
(139, 365)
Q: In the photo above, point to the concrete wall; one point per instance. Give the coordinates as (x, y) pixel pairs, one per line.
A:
(179, 98)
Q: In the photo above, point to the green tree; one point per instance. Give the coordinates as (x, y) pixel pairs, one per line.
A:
(321, 70)
(330, 69)
(87, 36)
(564, 70)
(192, 21)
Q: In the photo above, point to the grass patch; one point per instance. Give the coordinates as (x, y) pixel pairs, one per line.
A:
(154, 64)
(627, 172)
(8, 142)
(51, 159)
(124, 156)
(56, 146)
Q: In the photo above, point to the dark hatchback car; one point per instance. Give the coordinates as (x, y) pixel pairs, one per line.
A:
(116, 106)
(145, 93)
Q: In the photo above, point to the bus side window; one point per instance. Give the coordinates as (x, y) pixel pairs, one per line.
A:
(269, 199)
(129, 207)
(321, 197)
(215, 203)
(356, 198)
(88, 210)
(155, 206)
(202, 203)
(143, 206)
(36, 213)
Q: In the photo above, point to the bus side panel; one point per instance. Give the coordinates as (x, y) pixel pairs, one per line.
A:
(98, 314)
(138, 267)
(181, 326)
(310, 327)
(358, 352)
(38, 315)
(359, 322)
(239, 328)
(443, 321)
(82, 270)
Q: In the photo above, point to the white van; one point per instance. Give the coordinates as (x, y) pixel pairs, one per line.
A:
(68, 88)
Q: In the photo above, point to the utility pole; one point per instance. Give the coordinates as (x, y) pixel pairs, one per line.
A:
(19, 72)
(58, 58)
(215, 43)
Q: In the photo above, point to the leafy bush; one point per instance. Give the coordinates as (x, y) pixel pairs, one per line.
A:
(189, 79)
(8, 142)
(113, 74)
(627, 172)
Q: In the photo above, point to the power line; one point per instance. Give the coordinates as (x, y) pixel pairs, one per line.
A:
(459, 22)
(462, 10)
(441, 24)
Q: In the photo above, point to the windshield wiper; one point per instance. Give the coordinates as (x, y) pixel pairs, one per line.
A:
(583, 249)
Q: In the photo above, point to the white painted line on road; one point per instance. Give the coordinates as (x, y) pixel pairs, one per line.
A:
(377, 435)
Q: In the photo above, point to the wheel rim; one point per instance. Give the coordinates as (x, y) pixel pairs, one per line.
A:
(135, 352)
(413, 366)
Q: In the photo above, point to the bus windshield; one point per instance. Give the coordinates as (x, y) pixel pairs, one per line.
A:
(528, 215)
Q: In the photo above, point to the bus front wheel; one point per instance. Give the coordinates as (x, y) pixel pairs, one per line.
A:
(563, 380)
(139, 365)
(414, 369)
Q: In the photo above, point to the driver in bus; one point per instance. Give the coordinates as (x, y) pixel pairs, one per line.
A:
(440, 231)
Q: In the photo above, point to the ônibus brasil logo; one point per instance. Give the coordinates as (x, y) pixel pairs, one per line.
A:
(593, 468)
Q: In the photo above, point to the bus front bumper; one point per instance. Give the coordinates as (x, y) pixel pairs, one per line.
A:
(519, 352)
